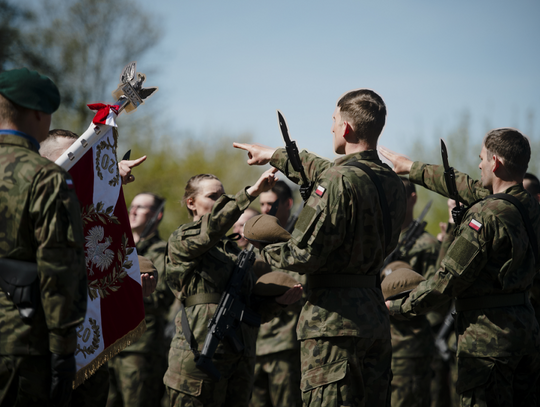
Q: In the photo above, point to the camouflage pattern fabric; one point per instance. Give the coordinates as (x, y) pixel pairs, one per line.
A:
(277, 379)
(93, 392)
(277, 367)
(201, 260)
(137, 372)
(493, 258)
(347, 371)
(410, 382)
(340, 230)
(412, 341)
(193, 389)
(40, 222)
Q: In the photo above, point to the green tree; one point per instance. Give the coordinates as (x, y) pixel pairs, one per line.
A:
(172, 161)
(83, 46)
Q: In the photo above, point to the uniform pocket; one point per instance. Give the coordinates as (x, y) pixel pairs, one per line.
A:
(320, 384)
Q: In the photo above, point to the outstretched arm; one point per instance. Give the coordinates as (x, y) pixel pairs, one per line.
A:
(402, 165)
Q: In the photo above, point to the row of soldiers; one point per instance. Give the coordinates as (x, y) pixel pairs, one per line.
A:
(335, 345)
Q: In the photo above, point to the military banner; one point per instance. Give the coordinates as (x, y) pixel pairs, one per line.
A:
(115, 313)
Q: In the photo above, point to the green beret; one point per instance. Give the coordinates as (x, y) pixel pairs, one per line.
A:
(29, 89)
(273, 284)
(146, 265)
(400, 281)
(265, 229)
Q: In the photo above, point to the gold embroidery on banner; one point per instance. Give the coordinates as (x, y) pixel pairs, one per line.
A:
(111, 282)
(85, 336)
(107, 162)
(90, 213)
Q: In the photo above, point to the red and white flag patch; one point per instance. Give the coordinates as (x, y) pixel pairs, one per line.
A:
(320, 190)
(70, 184)
(475, 225)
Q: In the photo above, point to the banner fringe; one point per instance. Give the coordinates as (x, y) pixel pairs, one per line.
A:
(108, 354)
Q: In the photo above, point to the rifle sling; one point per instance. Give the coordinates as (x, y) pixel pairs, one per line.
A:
(491, 301)
(387, 220)
(341, 280)
(528, 225)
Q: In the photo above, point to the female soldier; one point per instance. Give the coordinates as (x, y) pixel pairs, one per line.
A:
(200, 261)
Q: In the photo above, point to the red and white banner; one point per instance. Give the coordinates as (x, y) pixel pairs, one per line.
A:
(115, 310)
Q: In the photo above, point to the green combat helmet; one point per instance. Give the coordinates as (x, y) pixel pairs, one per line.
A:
(400, 282)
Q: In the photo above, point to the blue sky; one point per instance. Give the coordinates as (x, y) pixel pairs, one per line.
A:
(226, 66)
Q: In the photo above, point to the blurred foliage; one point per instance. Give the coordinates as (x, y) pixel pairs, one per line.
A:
(82, 45)
(173, 160)
(463, 154)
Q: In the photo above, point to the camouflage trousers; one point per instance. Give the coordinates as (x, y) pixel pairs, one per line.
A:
(498, 381)
(136, 379)
(346, 371)
(93, 392)
(25, 380)
(277, 380)
(411, 378)
(187, 386)
(443, 383)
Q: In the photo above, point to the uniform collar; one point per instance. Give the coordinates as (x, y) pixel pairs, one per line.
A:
(367, 155)
(34, 145)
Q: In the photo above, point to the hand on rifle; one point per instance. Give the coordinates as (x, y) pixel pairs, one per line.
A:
(257, 153)
(402, 165)
(291, 295)
(125, 167)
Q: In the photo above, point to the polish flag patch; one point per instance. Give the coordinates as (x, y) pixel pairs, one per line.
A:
(70, 184)
(475, 225)
(320, 190)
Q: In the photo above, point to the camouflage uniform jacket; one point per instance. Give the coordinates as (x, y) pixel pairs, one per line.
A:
(156, 306)
(201, 260)
(40, 222)
(413, 338)
(495, 259)
(340, 230)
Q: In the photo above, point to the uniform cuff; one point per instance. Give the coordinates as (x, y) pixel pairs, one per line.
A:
(416, 175)
(243, 199)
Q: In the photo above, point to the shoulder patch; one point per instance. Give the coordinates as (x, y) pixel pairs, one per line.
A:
(474, 224)
(69, 183)
(320, 190)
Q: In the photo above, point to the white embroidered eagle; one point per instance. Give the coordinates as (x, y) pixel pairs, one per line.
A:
(98, 253)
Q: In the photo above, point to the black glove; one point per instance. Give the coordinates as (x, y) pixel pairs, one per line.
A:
(63, 368)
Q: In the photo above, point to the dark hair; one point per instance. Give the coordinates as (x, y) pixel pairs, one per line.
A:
(62, 133)
(533, 186)
(158, 200)
(282, 191)
(409, 186)
(192, 187)
(512, 147)
(366, 111)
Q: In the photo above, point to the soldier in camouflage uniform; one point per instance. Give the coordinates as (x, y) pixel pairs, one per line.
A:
(40, 223)
(412, 341)
(277, 367)
(199, 264)
(339, 242)
(137, 372)
(489, 269)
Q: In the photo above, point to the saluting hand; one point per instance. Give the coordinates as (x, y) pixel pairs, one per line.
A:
(265, 182)
(402, 165)
(125, 167)
(257, 153)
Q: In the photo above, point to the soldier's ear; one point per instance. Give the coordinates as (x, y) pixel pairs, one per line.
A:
(190, 203)
(347, 128)
(496, 163)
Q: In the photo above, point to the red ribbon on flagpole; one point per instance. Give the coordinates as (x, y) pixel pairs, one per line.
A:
(102, 112)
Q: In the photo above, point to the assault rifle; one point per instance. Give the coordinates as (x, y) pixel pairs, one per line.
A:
(230, 312)
(152, 221)
(294, 158)
(450, 179)
(415, 230)
(441, 340)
